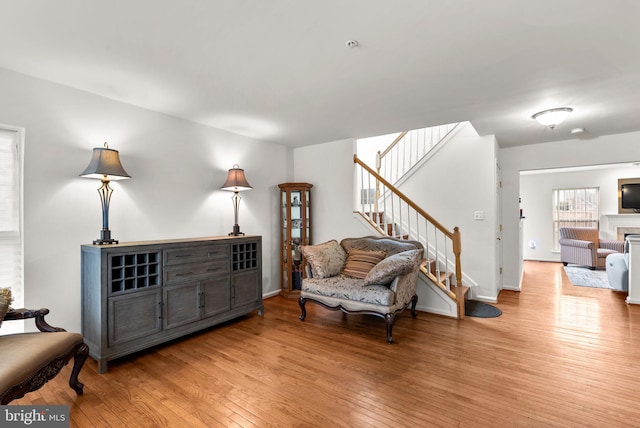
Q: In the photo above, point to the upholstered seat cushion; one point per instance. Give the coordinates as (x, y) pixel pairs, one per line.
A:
(604, 252)
(22, 355)
(343, 287)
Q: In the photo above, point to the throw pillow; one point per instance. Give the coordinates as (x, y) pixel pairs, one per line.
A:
(326, 259)
(360, 262)
(5, 301)
(397, 264)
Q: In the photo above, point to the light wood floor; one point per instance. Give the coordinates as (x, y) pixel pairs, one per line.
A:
(559, 356)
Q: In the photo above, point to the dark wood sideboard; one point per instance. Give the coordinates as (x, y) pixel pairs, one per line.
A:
(139, 294)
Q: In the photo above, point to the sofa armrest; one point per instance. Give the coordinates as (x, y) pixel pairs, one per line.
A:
(576, 243)
(404, 287)
(611, 244)
(37, 314)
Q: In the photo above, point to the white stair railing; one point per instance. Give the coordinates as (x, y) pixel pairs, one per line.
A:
(393, 214)
(408, 149)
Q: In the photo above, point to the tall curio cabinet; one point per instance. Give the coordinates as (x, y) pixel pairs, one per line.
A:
(295, 227)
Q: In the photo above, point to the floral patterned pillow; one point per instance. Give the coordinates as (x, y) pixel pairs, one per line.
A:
(397, 264)
(326, 259)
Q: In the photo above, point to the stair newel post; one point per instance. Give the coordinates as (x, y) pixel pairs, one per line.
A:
(457, 250)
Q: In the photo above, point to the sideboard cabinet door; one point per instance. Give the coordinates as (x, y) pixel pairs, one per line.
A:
(134, 316)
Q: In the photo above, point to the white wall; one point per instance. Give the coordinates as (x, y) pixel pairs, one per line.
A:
(329, 167)
(457, 181)
(537, 205)
(597, 151)
(177, 168)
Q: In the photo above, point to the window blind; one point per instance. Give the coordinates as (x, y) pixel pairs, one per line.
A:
(11, 248)
(574, 208)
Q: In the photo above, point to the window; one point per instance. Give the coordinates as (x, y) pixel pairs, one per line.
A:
(574, 208)
(11, 248)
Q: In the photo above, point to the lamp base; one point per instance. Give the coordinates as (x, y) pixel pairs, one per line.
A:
(105, 242)
(236, 231)
(105, 238)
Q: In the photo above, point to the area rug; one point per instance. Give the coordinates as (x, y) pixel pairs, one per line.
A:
(586, 277)
(473, 308)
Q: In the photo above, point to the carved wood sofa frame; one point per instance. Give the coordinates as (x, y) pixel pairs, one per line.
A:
(50, 364)
(402, 285)
(389, 317)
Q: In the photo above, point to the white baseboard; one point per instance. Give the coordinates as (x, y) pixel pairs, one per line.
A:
(270, 294)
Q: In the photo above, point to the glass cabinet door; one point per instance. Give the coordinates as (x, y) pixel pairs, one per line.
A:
(285, 238)
(295, 220)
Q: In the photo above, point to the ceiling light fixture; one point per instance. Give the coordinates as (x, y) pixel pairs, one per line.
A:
(553, 116)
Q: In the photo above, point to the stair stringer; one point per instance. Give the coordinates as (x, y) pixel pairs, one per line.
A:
(433, 299)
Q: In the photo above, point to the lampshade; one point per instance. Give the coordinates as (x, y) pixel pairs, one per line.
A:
(552, 117)
(236, 181)
(105, 162)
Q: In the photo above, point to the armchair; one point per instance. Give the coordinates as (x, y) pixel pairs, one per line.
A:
(582, 246)
(29, 360)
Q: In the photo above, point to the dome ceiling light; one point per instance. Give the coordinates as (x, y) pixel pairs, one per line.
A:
(553, 116)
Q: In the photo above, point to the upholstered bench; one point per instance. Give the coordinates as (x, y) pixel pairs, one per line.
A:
(370, 275)
(29, 360)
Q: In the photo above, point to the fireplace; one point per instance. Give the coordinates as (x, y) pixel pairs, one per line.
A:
(618, 226)
(623, 232)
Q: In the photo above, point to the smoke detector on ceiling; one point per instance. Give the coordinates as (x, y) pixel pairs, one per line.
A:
(352, 43)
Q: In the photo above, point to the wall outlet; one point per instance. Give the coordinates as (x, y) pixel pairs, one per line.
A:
(478, 215)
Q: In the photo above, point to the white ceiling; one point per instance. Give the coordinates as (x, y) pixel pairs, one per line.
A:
(280, 70)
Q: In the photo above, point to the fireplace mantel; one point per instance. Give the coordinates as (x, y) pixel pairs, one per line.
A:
(614, 226)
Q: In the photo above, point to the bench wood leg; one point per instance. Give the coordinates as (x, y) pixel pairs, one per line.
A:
(78, 361)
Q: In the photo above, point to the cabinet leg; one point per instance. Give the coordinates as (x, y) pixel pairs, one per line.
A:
(102, 365)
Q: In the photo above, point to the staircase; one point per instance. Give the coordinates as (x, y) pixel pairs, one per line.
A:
(391, 213)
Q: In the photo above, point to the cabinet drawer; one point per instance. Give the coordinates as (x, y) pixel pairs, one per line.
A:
(177, 256)
(185, 272)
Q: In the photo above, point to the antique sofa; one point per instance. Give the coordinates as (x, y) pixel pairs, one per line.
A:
(369, 275)
(29, 360)
(583, 246)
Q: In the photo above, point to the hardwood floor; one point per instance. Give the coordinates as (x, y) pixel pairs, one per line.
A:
(559, 356)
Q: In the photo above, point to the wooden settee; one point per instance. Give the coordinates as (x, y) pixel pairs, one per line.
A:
(384, 288)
